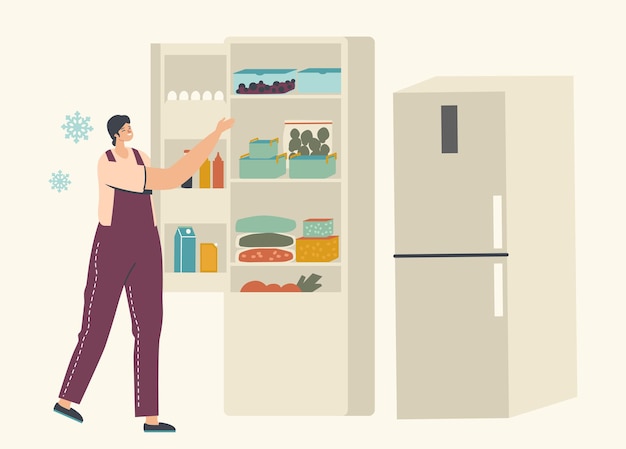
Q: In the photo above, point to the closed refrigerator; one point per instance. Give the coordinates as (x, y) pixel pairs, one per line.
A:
(484, 246)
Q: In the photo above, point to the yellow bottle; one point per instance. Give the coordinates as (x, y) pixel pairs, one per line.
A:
(205, 174)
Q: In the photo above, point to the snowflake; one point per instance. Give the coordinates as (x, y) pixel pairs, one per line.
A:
(77, 127)
(60, 181)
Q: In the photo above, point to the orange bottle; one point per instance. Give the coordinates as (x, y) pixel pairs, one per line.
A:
(218, 172)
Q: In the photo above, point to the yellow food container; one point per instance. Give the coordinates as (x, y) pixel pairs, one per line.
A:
(208, 257)
(317, 249)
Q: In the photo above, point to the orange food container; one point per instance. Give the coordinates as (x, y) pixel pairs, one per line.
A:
(317, 249)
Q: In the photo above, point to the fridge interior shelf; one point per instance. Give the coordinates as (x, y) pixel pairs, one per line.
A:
(263, 119)
(287, 180)
(308, 200)
(278, 55)
(330, 275)
(289, 96)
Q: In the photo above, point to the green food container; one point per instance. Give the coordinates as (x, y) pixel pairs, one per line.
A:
(315, 166)
(259, 149)
(269, 167)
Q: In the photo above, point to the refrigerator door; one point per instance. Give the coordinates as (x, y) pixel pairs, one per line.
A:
(451, 338)
(449, 172)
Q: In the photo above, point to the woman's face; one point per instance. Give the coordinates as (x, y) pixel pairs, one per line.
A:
(125, 133)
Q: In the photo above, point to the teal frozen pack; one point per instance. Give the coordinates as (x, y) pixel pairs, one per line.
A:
(319, 81)
(265, 223)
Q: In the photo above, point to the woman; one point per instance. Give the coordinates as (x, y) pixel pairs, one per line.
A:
(126, 253)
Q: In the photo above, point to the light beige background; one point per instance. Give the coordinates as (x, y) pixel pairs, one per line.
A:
(59, 57)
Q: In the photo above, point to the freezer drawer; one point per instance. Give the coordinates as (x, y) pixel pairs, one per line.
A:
(451, 337)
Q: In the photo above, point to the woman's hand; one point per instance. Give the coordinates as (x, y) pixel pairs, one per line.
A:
(224, 125)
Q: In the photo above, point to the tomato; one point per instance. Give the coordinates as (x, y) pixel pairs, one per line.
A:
(290, 288)
(254, 286)
(258, 286)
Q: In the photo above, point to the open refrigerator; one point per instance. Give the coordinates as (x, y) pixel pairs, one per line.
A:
(285, 352)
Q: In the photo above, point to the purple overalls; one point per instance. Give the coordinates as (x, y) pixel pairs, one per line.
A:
(126, 254)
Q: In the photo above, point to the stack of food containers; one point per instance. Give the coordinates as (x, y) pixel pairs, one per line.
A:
(265, 238)
(318, 243)
(262, 160)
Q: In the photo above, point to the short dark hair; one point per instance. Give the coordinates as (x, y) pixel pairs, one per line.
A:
(115, 123)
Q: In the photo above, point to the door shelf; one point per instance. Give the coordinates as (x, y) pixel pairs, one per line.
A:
(196, 282)
(175, 149)
(191, 119)
(194, 72)
(194, 205)
(205, 233)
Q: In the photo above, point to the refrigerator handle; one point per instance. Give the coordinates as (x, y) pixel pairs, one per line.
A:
(498, 290)
(497, 221)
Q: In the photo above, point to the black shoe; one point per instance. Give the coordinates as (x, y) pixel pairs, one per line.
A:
(160, 427)
(70, 413)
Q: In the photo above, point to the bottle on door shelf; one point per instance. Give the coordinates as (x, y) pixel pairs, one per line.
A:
(189, 183)
(205, 174)
(218, 172)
